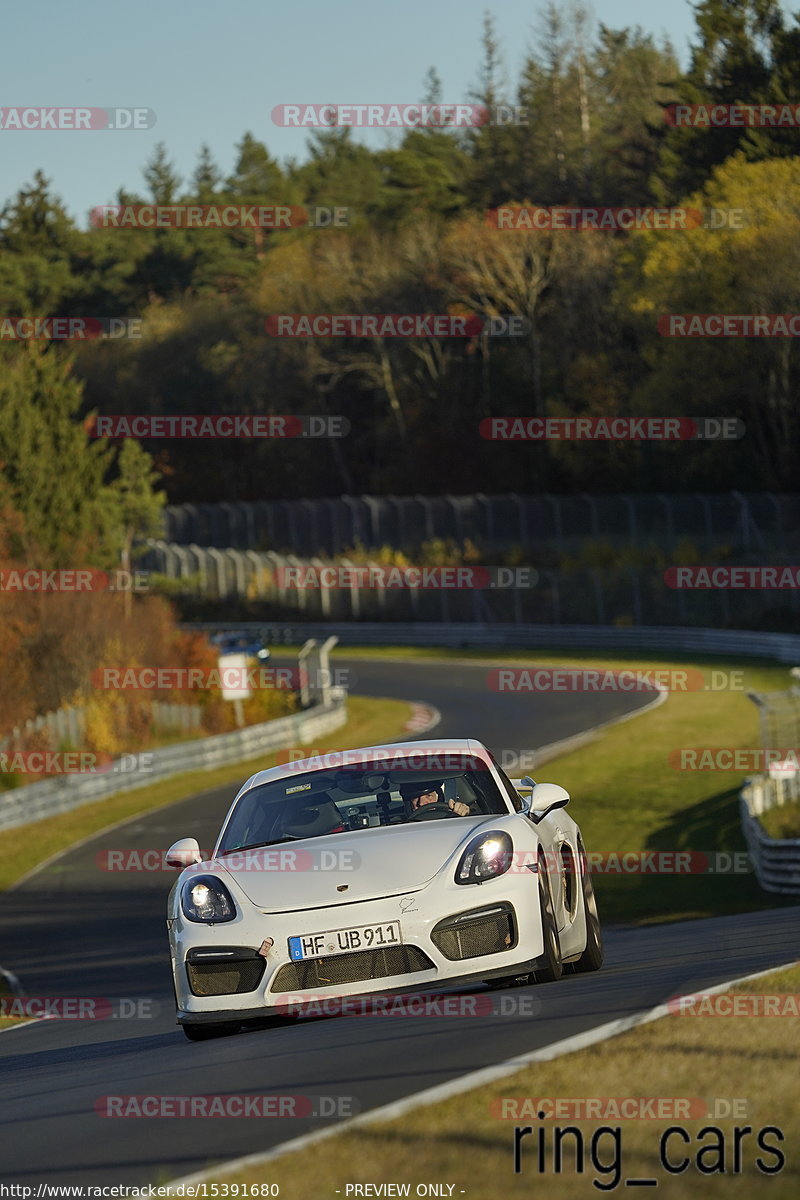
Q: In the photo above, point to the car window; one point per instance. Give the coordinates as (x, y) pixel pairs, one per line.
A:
(324, 802)
(508, 786)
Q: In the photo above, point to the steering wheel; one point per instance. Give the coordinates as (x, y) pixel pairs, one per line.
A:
(426, 810)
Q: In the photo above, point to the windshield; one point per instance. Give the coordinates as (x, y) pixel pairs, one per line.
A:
(336, 801)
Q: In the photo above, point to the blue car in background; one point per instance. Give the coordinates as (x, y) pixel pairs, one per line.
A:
(241, 642)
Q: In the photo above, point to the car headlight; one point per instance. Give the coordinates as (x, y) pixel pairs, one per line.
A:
(206, 899)
(486, 856)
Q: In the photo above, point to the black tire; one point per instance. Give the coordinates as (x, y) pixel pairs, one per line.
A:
(592, 957)
(552, 968)
(204, 1033)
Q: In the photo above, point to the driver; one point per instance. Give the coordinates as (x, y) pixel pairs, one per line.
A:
(417, 795)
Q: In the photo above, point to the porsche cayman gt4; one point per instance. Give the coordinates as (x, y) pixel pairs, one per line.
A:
(392, 868)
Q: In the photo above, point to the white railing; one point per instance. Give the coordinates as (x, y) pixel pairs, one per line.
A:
(632, 596)
(756, 520)
(37, 801)
(776, 861)
(68, 724)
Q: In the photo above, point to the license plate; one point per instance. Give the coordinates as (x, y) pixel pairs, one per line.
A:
(344, 941)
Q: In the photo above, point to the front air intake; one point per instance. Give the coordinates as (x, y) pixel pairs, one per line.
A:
(472, 934)
(350, 968)
(226, 971)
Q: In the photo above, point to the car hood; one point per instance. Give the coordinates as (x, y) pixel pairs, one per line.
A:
(368, 864)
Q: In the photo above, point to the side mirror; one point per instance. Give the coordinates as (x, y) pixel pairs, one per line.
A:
(184, 853)
(524, 785)
(546, 797)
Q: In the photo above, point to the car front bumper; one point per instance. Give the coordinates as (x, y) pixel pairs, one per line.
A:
(444, 929)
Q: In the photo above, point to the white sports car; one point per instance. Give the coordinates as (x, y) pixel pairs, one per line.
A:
(385, 869)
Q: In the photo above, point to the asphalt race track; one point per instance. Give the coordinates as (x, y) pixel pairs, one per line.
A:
(75, 929)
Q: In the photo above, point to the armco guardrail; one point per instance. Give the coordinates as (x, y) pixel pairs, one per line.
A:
(36, 802)
(781, 647)
(760, 521)
(288, 588)
(776, 861)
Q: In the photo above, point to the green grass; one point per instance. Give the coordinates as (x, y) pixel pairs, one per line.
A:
(370, 721)
(782, 822)
(463, 1141)
(628, 798)
(555, 653)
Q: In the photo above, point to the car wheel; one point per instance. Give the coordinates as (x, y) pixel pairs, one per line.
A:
(203, 1033)
(592, 957)
(553, 967)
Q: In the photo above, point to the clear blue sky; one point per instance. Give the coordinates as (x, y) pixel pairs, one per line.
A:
(212, 69)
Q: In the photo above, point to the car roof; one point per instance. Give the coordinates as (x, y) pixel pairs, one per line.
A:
(440, 747)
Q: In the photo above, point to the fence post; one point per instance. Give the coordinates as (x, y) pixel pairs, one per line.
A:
(458, 524)
(555, 508)
(325, 669)
(305, 653)
(598, 598)
(355, 598)
(238, 560)
(637, 595)
(667, 505)
(703, 500)
(374, 505)
(590, 500)
(218, 559)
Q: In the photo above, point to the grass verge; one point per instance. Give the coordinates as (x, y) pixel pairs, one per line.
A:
(630, 799)
(740, 1069)
(370, 721)
(783, 822)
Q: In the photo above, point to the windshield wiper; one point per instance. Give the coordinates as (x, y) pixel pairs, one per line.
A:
(290, 837)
